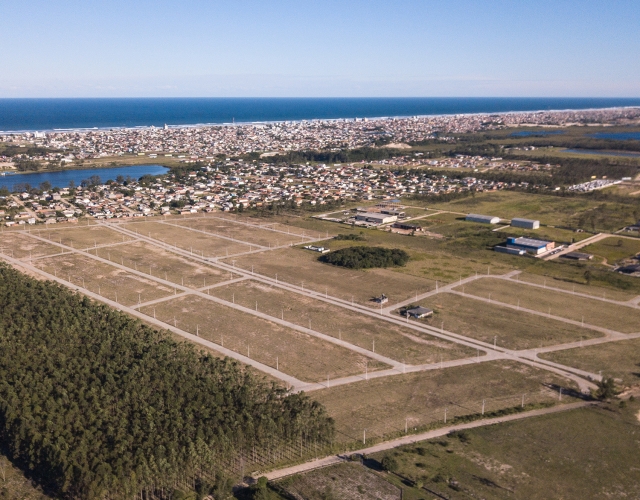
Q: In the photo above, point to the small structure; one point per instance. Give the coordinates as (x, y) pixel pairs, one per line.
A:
(482, 219)
(631, 270)
(419, 312)
(383, 299)
(529, 245)
(525, 223)
(376, 218)
(577, 256)
(314, 248)
(406, 226)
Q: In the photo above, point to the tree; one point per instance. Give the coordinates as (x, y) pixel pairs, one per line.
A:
(588, 276)
(389, 463)
(606, 389)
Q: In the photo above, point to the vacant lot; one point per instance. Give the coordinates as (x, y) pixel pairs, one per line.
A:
(22, 246)
(620, 360)
(381, 405)
(596, 291)
(301, 268)
(83, 237)
(164, 264)
(192, 241)
(510, 328)
(347, 480)
(297, 354)
(257, 233)
(620, 318)
(390, 340)
(108, 281)
(574, 455)
(614, 249)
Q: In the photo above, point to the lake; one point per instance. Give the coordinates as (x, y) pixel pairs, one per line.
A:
(62, 178)
(617, 136)
(600, 152)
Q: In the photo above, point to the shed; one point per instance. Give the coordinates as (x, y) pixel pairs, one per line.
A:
(483, 219)
(525, 223)
(419, 312)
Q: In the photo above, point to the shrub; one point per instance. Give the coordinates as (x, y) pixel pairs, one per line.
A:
(366, 257)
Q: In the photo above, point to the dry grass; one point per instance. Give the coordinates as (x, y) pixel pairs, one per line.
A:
(301, 268)
(620, 318)
(83, 237)
(347, 480)
(620, 360)
(299, 355)
(164, 264)
(22, 246)
(201, 244)
(595, 291)
(613, 249)
(390, 340)
(381, 405)
(513, 329)
(101, 278)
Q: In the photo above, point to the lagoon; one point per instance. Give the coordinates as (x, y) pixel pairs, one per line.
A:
(61, 179)
(617, 136)
(600, 152)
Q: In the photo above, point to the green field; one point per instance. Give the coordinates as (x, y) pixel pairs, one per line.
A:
(614, 249)
(585, 453)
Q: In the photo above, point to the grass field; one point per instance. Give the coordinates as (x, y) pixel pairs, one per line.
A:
(381, 405)
(184, 239)
(21, 246)
(570, 286)
(546, 233)
(101, 278)
(603, 314)
(301, 268)
(483, 321)
(164, 264)
(620, 360)
(305, 357)
(347, 480)
(390, 340)
(574, 455)
(614, 249)
(83, 237)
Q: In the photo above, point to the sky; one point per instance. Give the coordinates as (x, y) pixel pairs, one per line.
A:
(321, 48)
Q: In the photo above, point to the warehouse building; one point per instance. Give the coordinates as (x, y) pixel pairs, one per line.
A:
(529, 245)
(376, 218)
(482, 219)
(525, 223)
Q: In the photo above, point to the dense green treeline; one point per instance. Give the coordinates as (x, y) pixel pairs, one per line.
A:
(96, 405)
(360, 257)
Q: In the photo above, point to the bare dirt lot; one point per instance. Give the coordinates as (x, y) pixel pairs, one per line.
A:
(22, 246)
(83, 237)
(390, 340)
(305, 357)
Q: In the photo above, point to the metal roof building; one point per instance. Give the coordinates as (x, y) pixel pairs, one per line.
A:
(525, 223)
(483, 219)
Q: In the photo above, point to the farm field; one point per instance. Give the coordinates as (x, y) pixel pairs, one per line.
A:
(620, 360)
(620, 318)
(109, 281)
(164, 264)
(573, 455)
(347, 480)
(184, 239)
(301, 268)
(22, 246)
(382, 406)
(83, 237)
(297, 354)
(512, 329)
(390, 340)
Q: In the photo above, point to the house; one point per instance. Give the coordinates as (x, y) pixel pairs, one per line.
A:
(419, 312)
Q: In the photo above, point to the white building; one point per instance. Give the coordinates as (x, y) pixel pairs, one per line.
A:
(483, 219)
(525, 223)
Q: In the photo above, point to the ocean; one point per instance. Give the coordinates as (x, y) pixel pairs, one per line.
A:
(51, 114)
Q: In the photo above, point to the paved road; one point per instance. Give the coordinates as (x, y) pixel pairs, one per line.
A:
(415, 438)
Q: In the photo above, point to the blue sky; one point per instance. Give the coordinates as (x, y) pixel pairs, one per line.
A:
(100, 48)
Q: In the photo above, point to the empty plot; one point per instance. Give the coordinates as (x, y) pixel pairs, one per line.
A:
(384, 406)
(509, 328)
(620, 359)
(199, 243)
(110, 282)
(295, 353)
(246, 232)
(609, 293)
(386, 338)
(21, 246)
(84, 237)
(595, 312)
(163, 264)
(614, 249)
(301, 268)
